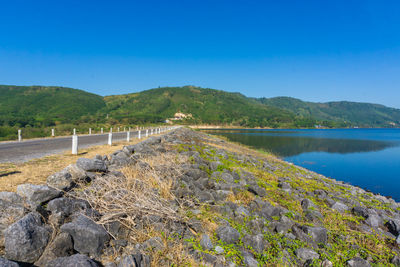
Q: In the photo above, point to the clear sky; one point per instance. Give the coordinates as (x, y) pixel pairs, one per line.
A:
(313, 50)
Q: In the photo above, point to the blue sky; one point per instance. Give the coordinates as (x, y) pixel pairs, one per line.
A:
(312, 50)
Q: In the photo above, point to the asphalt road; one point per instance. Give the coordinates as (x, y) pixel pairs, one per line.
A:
(30, 149)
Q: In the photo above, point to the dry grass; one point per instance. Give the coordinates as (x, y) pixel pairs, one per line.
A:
(243, 197)
(36, 171)
(175, 254)
(143, 193)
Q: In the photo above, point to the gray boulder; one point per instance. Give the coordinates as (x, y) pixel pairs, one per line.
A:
(305, 254)
(76, 260)
(6, 263)
(10, 212)
(26, 239)
(250, 261)
(340, 207)
(120, 159)
(307, 204)
(66, 179)
(326, 263)
(393, 226)
(206, 242)
(298, 232)
(61, 180)
(205, 257)
(360, 211)
(242, 211)
(257, 190)
(284, 186)
(268, 211)
(374, 220)
(313, 215)
(11, 197)
(88, 237)
(196, 174)
(129, 149)
(358, 262)
(61, 246)
(318, 234)
(205, 197)
(69, 206)
(219, 250)
(91, 165)
(256, 225)
(136, 260)
(283, 225)
(37, 194)
(395, 261)
(255, 243)
(319, 193)
(228, 234)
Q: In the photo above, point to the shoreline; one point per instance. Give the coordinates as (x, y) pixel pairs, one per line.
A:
(298, 166)
(218, 127)
(337, 179)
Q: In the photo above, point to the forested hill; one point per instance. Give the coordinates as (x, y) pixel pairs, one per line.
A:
(42, 105)
(205, 105)
(342, 112)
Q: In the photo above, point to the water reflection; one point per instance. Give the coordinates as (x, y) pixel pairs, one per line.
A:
(287, 146)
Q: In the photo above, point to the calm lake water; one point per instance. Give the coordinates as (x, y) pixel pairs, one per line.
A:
(369, 158)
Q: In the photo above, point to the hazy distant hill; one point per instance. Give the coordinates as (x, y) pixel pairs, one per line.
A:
(42, 106)
(350, 113)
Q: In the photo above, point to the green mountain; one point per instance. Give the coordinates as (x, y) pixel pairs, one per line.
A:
(45, 106)
(342, 112)
(40, 106)
(205, 106)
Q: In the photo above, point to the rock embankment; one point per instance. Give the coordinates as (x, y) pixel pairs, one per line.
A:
(186, 198)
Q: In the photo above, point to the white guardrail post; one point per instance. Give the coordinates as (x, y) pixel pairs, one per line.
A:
(128, 135)
(53, 133)
(90, 131)
(74, 131)
(139, 134)
(147, 132)
(19, 135)
(101, 130)
(110, 138)
(74, 144)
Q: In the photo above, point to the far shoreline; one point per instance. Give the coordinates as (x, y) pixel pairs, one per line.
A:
(219, 127)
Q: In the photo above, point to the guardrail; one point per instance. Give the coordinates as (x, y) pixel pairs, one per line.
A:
(149, 131)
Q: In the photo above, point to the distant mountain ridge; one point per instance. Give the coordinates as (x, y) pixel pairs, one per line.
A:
(40, 106)
(349, 113)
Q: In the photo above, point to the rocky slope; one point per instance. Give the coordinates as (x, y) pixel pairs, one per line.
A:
(188, 199)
